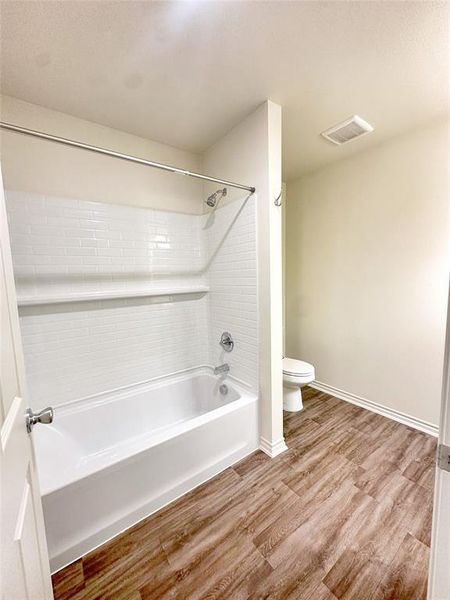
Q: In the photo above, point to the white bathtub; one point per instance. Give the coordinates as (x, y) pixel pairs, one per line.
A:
(109, 461)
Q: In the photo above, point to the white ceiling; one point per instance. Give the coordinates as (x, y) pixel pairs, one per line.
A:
(184, 73)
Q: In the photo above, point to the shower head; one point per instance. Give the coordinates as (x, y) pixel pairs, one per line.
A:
(214, 198)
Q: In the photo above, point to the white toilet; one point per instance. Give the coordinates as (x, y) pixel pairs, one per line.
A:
(296, 373)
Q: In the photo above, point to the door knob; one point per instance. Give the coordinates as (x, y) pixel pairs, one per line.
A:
(44, 416)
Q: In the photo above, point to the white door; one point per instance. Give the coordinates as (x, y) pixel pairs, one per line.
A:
(24, 560)
(439, 582)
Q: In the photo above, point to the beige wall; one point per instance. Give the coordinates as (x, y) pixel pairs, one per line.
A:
(367, 271)
(37, 166)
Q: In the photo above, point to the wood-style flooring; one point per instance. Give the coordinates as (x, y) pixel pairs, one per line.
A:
(345, 513)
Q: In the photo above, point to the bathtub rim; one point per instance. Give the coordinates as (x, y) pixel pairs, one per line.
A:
(108, 395)
(155, 439)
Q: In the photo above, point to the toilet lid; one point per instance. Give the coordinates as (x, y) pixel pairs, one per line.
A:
(291, 366)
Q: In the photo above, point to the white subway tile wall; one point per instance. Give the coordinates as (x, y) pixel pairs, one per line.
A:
(232, 278)
(79, 349)
(63, 247)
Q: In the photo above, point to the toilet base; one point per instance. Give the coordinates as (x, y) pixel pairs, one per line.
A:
(292, 398)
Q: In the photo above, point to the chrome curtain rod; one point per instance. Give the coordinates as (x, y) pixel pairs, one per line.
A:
(141, 161)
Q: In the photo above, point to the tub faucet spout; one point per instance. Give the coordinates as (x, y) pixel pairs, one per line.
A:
(225, 368)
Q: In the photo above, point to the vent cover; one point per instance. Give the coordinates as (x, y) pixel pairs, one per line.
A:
(347, 130)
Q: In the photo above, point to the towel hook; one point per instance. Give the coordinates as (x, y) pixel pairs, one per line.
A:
(278, 201)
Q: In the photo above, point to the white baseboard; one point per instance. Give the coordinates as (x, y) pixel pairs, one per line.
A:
(390, 413)
(272, 449)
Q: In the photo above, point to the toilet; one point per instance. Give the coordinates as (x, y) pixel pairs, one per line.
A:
(296, 373)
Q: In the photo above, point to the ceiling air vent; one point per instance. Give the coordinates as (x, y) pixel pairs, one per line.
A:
(347, 130)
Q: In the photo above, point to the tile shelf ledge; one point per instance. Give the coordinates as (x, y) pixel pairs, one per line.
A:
(110, 295)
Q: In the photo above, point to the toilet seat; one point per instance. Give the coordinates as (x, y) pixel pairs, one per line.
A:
(297, 368)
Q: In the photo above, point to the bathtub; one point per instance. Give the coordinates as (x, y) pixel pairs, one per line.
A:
(108, 461)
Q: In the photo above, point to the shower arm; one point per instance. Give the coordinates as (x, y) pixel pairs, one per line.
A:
(141, 161)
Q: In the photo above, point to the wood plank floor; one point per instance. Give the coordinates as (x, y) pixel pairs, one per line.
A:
(345, 513)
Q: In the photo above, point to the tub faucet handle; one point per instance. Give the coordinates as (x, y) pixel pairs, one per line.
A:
(226, 341)
(44, 416)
